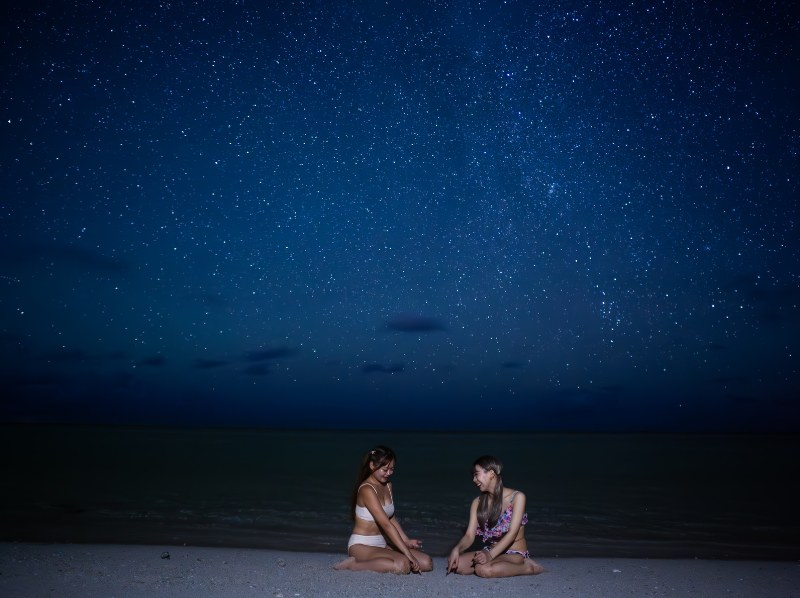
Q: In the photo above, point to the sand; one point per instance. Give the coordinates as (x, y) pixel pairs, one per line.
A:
(125, 571)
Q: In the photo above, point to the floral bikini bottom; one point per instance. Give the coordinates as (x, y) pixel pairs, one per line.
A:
(525, 554)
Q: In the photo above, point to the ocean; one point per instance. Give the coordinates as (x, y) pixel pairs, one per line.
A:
(603, 495)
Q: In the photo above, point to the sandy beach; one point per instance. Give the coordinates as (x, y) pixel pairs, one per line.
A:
(125, 571)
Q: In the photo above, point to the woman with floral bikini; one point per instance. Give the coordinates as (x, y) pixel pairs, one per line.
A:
(498, 517)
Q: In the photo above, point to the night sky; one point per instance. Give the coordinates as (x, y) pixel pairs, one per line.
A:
(407, 214)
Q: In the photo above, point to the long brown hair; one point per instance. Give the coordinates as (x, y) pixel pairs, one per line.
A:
(377, 458)
(490, 504)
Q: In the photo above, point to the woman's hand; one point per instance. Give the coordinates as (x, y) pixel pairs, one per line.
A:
(452, 561)
(414, 564)
(481, 557)
(414, 544)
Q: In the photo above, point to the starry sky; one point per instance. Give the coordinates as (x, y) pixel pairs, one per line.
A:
(427, 214)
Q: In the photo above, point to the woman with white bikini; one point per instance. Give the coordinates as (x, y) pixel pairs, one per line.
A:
(378, 542)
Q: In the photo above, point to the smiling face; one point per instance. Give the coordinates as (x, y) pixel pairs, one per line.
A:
(384, 472)
(484, 479)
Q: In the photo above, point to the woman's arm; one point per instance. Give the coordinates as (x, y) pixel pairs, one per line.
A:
(467, 539)
(469, 535)
(394, 521)
(408, 541)
(373, 505)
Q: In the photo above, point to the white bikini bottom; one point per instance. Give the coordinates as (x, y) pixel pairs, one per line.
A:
(378, 541)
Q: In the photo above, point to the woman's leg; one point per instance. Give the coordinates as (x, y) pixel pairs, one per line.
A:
(465, 565)
(509, 565)
(425, 561)
(373, 558)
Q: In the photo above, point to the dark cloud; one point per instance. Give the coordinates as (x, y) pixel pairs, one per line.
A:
(208, 364)
(583, 406)
(613, 388)
(155, 361)
(45, 378)
(776, 303)
(66, 355)
(512, 365)
(271, 353)
(258, 369)
(123, 380)
(66, 254)
(742, 399)
(779, 296)
(725, 380)
(412, 323)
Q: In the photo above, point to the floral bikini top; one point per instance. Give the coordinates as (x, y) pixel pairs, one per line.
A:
(503, 524)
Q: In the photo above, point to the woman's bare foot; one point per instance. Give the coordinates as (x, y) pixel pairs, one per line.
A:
(533, 567)
(345, 564)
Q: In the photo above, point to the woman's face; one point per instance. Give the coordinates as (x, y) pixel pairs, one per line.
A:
(484, 479)
(384, 472)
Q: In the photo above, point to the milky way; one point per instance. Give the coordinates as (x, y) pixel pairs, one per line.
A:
(422, 214)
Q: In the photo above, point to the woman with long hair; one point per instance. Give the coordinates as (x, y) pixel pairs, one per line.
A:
(378, 542)
(498, 516)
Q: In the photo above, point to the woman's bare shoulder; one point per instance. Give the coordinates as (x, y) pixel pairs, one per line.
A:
(368, 488)
(514, 495)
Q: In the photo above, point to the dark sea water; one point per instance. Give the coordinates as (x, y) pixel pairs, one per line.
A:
(682, 496)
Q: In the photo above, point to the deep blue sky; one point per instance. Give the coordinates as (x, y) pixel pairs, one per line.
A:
(424, 214)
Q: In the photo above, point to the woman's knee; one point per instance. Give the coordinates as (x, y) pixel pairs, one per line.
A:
(425, 563)
(484, 570)
(401, 566)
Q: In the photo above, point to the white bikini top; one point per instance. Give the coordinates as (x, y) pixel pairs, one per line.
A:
(363, 512)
